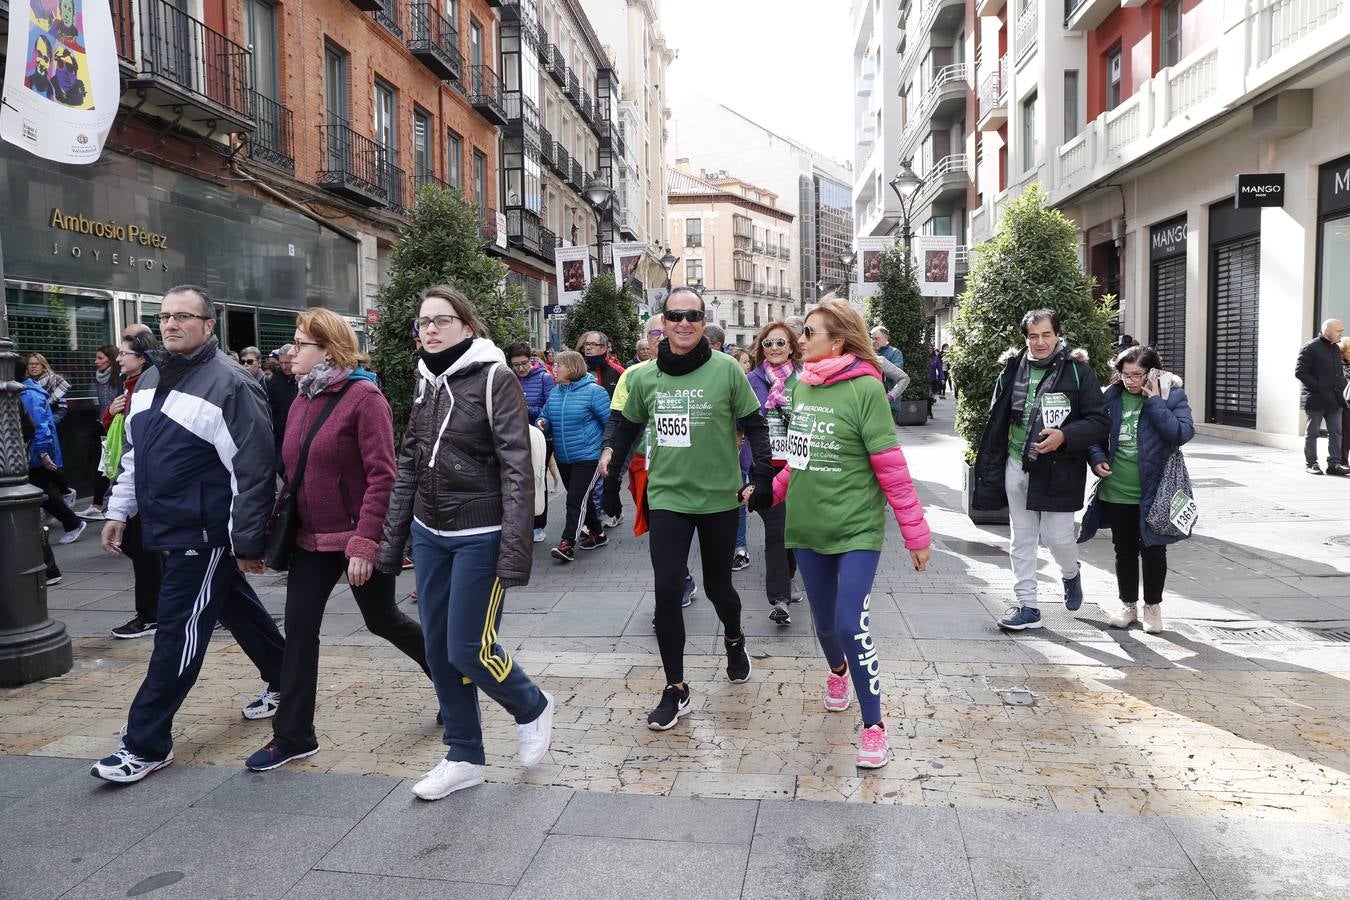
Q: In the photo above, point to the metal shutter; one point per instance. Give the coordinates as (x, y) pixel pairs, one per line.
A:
(1167, 314)
(1233, 332)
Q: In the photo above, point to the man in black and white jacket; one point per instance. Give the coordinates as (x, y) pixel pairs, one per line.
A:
(198, 467)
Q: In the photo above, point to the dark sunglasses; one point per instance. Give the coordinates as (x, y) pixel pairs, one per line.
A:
(684, 315)
(808, 332)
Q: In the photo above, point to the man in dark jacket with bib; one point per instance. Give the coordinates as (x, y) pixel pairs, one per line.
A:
(1046, 413)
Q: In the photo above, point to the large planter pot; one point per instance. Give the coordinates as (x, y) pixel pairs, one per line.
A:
(981, 516)
(912, 412)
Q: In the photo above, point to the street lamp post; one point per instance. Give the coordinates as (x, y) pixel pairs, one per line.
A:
(906, 184)
(598, 194)
(847, 259)
(32, 645)
(668, 263)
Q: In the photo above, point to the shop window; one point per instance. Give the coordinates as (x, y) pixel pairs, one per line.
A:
(65, 328)
(1334, 302)
(1170, 37)
(1114, 75)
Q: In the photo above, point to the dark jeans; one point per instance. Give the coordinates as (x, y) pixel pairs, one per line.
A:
(577, 476)
(50, 483)
(1333, 420)
(1123, 520)
(779, 563)
(311, 579)
(460, 598)
(147, 567)
(671, 535)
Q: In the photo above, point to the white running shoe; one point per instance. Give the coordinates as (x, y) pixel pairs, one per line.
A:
(447, 778)
(539, 536)
(126, 767)
(71, 537)
(535, 736)
(1127, 616)
(1152, 618)
(265, 707)
(91, 512)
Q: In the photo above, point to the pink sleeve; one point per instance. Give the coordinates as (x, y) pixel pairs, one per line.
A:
(375, 444)
(893, 476)
(780, 484)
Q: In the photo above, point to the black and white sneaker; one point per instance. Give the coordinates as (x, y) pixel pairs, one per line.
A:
(125, 767)
(779, 614)
(612, 521)
(674, 704)
(264, 707)
(137, 627)
(741, 560)
(53, 579)
(738, 661)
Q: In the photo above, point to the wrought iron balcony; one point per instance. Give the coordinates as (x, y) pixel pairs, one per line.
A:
(759, 287)
(771, 290)
(557, 65)
(185, 68)
(541, 44)
(424, 176)
(771, 249)
(562, 163)
(577, 177)
(548, 242)
(435, 42)
(522, 117)
(759, 246)
(272, 142)
(486, 94)
(741, 242)
(357, 167)
(487, 230)
(387, 15)
(587, 107)
(546, 152)
(785, 252)
(510, 10)
(573, 86)
(743, 286)
(522, 230)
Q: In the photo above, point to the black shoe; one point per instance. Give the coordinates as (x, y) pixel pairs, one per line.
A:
(137, 627)
(592, 541)
(1314, 469)
(738, 661)
(564, 552)
(741, 560)
(1337, 469)
(53, 579)
(674, 704)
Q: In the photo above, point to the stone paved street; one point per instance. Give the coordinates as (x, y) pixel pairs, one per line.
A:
(1209, 760)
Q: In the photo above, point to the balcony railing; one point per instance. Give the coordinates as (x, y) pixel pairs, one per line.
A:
(557, 65)
(741, 242)
(759, 246)
(388, 18)
(562, 162)
(522, 229)
(541, 44)
(272, 142)
(743, 285)
(434, 41)
(771, 249)
(1071, 7)
(546, 154)
(183, 61)
(759, 287)
(486, 94)
(548, 242)
(573, 87)
(785, 252)
(487, 228)
(587, 107)
(993, 90)
(771, 290)
(358, 168)
(1027, 31)
(424, 176)
(786, 293)
(577, 177)
(124, 30)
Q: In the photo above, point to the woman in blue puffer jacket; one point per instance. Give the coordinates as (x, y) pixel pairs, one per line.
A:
(1150, 418)
(574, 416)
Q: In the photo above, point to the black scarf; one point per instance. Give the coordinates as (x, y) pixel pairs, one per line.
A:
(441, 360)
(1020, 382)
(673, 363)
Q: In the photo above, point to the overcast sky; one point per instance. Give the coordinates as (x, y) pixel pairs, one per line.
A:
(783, 63)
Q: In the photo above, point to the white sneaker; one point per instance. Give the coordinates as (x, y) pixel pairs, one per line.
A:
(92, 512)
(1153, 618)
(447, 778)
(539, 536)
(612, 521)
(265, 707)
(1127, 616)
(71, 537)
(535, 736)
(124, 767)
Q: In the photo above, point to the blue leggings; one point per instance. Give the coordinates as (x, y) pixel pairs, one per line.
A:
(839, 587)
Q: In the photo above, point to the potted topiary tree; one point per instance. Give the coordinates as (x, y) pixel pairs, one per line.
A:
(609, 310)
(441, 245)
(899, 307)
(1030, 263)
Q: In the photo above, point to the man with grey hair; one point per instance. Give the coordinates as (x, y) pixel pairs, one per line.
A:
(717, 337)
(251, 359)
(1323, 395)
(281, 389)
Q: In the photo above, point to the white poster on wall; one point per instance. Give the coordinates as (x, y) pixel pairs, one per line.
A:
(628, 262)
(935, 257)
(867, 269)
(574, 273)
(62, 87)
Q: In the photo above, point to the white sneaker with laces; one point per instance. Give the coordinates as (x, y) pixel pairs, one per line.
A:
(126, 767)
(265, 707)
(535, 736)
(1127, 616)
(447, 778)
(71, 537)
(1153, 618)
(91, 512)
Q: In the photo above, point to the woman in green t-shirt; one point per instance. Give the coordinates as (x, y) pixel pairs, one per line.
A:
(844, 464)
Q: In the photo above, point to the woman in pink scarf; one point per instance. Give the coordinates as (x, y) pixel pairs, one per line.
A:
(844, 465)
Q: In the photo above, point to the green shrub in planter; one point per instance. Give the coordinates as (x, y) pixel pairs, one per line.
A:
(608, 310)
(442, 245)
(899, 307)
(1030, 264)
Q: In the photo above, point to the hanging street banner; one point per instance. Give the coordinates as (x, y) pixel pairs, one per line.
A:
(574, 273)
(62, 88)
(935, 256)
(867, 269)
(628, 263)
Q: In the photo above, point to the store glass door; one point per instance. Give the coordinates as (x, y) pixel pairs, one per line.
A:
(1234, 311)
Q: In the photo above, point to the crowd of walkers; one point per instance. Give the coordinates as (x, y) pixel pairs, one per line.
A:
(213, 470)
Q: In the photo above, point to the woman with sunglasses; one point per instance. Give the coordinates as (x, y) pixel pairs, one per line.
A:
(844, 464)
(777, 360)
(465, 491)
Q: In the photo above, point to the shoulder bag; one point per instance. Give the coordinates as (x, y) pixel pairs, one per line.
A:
(286, 519)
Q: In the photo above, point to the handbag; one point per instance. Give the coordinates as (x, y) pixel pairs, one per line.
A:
(285, 518)
(1174, 512)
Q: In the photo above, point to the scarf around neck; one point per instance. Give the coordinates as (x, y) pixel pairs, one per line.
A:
(818, 372)
(1020, 382)
(778, 377)
(321, 378)
(442, 360)
(103, 376)
(673, 363)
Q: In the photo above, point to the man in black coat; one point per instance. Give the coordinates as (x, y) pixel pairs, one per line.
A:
(281, 390)
(1046, 412)
(1323, 395)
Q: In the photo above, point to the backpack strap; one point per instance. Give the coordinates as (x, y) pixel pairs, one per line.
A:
(492, 373)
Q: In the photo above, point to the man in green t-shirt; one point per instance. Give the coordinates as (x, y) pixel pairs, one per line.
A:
(692, 401)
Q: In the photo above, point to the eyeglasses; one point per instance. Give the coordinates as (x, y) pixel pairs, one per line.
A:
(523, 364)
(127, 353)
(808, 332)
(441, 322)
(182, 318)
(656, 333)
(684, 315)
(1133, 376)
(773, 343)
(592, 344)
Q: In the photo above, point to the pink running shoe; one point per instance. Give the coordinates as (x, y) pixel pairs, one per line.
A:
(874, 751)
(836, 692)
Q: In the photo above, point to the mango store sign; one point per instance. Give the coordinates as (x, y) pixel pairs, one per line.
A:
(1254, 191)
(109, 230)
